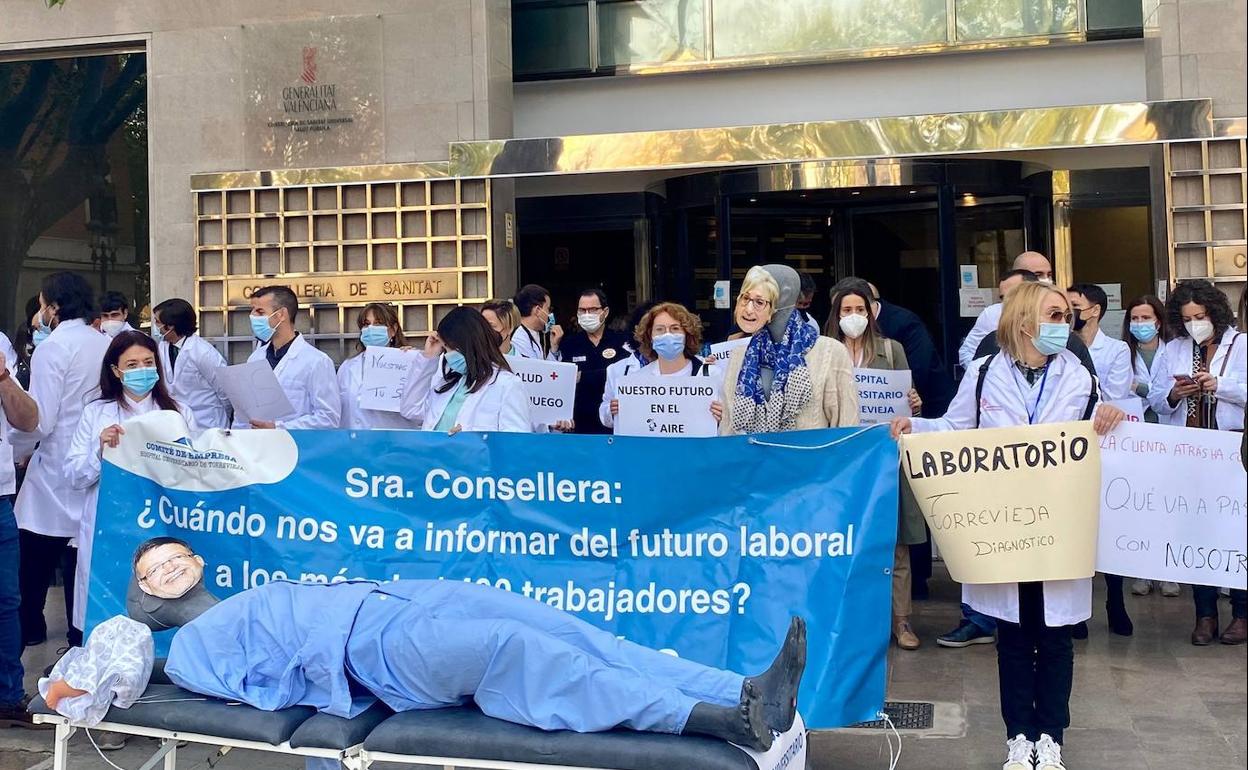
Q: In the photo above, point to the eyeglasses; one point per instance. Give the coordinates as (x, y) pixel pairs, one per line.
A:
(1058, 316)
(589, 310)
(755, 302)
(156, 570)
(658, 331)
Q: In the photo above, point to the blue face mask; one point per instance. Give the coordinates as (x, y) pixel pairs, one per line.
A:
(375, 336)
(1052, 339)
(38, 336)
(43, 327)
(1144, 331)
(260, 327)
(669, 346)
(456, 362)
(140, 381)
(550, 322)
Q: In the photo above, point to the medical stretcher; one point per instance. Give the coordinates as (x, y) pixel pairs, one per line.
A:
(451, 738)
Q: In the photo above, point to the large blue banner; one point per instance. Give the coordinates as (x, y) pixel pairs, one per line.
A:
(704, 547)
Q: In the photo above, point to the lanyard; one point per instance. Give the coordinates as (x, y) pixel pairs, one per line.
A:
(1044, 379)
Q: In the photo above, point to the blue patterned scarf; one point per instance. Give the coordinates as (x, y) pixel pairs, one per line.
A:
(754, 410)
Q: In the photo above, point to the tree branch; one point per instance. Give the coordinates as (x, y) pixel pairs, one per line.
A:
(16, 115)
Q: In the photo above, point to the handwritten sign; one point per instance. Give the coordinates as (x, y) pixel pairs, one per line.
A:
(1133, 406)
(721, 350)
(1174, 504)
(384, 375)
(882, 394)
(551, 386)
(254, 391)
(666, 406)
(1009, 505)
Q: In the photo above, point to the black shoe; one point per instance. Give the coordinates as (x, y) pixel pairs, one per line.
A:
(1079, 630)
(16, 715)
(965, 635)
(1119, 621)
(34, 641)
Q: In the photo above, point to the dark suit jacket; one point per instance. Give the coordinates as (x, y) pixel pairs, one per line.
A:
(931, 379)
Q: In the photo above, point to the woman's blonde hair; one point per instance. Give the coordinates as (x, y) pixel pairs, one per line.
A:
(758, 279)
(1022, 311)
(690, 323)
(505, 310)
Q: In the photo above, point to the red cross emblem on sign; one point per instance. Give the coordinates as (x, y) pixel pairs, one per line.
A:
(554, 376)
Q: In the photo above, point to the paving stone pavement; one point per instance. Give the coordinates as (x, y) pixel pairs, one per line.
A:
(1148, 702)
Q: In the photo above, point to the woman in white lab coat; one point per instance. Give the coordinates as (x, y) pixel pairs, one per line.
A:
(379, 328)
(1033, 379)
(504, 319)
(189, 364)
(130, 385)
(670, 337)
(631, 364)
(462, 382)
(1201, 382)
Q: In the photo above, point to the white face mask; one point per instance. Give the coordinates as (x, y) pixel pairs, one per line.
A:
(590, 322)
(112, 327)
(1200, 330)
(853, 325)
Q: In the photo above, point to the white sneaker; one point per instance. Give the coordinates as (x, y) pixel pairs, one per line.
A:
(1142, 587)
(1169, 589)
(1020, 754)
(1048, 754)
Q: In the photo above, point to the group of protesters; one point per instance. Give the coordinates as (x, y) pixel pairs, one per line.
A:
(79, 371)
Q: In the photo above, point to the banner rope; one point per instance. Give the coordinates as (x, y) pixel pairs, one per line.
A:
(829, 444)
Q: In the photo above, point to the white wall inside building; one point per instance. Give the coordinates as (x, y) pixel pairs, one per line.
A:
(1090, 73)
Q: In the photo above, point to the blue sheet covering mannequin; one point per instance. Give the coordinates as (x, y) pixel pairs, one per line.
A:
(422, 644)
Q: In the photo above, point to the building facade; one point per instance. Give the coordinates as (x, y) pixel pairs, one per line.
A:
(439, 152)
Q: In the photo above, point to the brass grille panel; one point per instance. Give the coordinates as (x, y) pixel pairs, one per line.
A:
(422, 244)
(1206, 216)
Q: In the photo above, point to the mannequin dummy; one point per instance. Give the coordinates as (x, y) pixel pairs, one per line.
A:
(424, 644)
(790, 286)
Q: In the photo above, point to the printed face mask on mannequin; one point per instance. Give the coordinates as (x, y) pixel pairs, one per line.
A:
(167, 588)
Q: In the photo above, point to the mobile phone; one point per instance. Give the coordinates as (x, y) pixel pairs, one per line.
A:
(1184, 379)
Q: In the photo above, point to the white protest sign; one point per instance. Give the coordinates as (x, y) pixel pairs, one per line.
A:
(551, 386)
(384, 376)
(254, 391)
(666, 406)
(721, 350)
(882, 394)
(1173, 505)
(1133, 406)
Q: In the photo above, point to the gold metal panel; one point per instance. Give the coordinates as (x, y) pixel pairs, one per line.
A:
(954, 133)
(372, 286)
(1230, 262)
(1063, 264)
(321, 176)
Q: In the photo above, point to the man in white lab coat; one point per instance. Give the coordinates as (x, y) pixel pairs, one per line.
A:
(305, 373)
(1035, 263)
(64, 375)
(189, 363)
(114, 314)
(1111, 357)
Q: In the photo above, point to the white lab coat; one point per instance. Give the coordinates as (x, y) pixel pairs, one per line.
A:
(8, 473)
(82, 471)
(1112, 359)
(987, 322)
(713, 372)
(307, 376)
(615, 371)
(1176, 358)
(499, 405)
(1145, 375)
(350, 382)
(10, 353)
(64, 376)
(1007, 399)
(193, 381)
(528, 344)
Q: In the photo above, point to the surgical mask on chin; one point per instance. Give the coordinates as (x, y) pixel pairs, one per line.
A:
(1144, 331)
(38, 336)
(112, 327)
(853, 325)
(140, 381)
(1052, 339)
(590, 322)
(260, 327)
(456, 362)
(669, 346)
(43, 325)
(375, 336)
(1200, 330)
